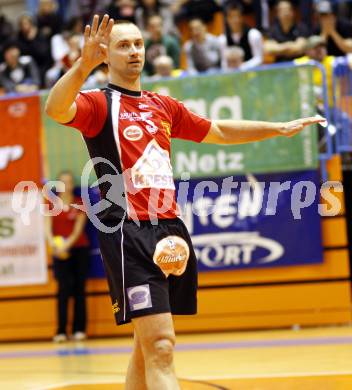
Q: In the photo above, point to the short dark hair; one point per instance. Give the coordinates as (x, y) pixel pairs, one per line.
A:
(234, 6)
(11, 44)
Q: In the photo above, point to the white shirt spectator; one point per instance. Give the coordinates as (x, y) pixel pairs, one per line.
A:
(256, 44)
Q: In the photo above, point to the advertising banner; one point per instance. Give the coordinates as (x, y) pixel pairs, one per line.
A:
(275, 95)
(255, 221)
(20, 141)
(23, 258)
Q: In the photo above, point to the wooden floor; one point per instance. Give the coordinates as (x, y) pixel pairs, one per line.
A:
(307, 359)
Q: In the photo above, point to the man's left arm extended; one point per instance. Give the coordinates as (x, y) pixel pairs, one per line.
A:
(229, 131)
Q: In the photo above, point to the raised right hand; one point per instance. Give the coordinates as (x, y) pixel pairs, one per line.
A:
(96, 40)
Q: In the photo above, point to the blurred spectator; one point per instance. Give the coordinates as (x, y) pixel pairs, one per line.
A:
(32, 43)
(203, 49)
(18, 73)
(234, 57)
(48, 21)
(147, 8)
(239, 34)
(164, 67)
(258, 8)
(59, 46)
(122, 10)
(190, 9)
(66, 62)
(158, 44)
(287, 38)
(98, 79)
(70, 248)
(6, 32)
(85, 9)
(337, 32)
(316, 50)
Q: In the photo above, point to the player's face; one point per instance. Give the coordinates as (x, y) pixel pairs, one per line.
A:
(126, 51)
(234, 19)
(285, 11)
(318, 53)
(197, 29)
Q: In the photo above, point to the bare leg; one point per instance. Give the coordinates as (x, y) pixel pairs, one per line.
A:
(157, 338)
(135, 379)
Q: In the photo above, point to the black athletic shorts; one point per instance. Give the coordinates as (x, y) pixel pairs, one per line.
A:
(150, 269)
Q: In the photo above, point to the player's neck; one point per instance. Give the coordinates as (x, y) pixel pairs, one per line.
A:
(129, 84)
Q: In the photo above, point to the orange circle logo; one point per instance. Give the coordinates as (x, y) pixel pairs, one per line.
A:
(171, 255)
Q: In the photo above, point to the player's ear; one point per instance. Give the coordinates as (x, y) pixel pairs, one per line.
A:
(104, 49)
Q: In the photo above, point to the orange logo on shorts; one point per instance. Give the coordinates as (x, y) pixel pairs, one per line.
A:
(171, 255)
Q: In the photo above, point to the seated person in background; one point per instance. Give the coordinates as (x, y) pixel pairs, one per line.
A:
(337, 32)
(164, 67)
(157, 44)
(33, 43)
(147, 8)
(287, 38)
(65, 63)
(203, 49)
(59, 45)
(260, 9)
(234, 57)
(316, 50)
(239, 34)
(18, 73)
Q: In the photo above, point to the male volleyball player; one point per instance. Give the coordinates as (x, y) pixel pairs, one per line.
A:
(151, 267)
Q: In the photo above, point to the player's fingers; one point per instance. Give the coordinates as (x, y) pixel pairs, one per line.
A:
(94, 27)
(313, 120)
(109, 27)
(86, 32)
(103, 24)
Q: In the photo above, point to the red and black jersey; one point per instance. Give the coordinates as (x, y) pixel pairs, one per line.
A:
(128, 136)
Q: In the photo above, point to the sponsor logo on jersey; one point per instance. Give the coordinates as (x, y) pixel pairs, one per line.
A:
(153, 169)
(171, 255)
(9, 154)
(135, 116)
(139, 297)
(142, 106)
(131, 116)
(167, 127)
(133, 133)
